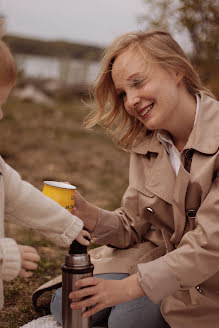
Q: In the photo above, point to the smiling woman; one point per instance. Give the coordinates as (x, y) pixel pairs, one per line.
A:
(140, 54)
(160, 268)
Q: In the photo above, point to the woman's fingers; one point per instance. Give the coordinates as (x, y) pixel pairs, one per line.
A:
(84, 292)
(84, 303)
(92, 310)
(89, 281)
(86, 287)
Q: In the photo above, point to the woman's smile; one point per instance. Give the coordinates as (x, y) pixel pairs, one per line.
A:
(144, 112)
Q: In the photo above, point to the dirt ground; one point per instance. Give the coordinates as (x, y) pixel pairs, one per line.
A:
(51, 144)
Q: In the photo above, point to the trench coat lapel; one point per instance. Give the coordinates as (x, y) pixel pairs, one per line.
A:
(162, 177)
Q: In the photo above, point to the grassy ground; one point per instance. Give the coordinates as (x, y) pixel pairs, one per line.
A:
(51, 144)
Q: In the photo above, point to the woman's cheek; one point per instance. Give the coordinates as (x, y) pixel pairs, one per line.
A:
(130, 111)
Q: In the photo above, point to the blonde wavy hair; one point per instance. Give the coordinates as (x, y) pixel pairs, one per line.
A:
(156, 47)
(8, 72)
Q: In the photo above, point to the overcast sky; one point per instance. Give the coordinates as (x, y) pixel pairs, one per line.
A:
(90, 21)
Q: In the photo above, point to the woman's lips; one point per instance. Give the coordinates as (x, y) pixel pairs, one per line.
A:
(145, 111)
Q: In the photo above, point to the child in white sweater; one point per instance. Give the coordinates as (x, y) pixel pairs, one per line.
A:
(21, 203)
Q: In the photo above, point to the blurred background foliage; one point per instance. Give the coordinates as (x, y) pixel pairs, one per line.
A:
(199, 21)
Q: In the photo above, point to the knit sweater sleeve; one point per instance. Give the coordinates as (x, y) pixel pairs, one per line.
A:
(26, 205)
(10, 259)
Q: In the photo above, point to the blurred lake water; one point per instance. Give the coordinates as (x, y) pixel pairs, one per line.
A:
(71, 71)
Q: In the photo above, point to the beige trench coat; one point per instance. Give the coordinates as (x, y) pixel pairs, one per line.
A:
(167, 229)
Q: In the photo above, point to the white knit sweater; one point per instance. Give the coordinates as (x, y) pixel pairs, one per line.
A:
(21, 203)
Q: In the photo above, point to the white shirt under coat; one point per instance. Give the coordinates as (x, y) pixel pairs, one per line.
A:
(172, 151)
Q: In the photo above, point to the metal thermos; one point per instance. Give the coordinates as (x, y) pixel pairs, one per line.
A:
(77, 266)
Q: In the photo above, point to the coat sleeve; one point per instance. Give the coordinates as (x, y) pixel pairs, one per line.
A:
(26, 205)
(125, 226)
(194, 261)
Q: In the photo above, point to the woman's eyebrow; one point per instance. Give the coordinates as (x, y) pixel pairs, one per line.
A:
(137, 74)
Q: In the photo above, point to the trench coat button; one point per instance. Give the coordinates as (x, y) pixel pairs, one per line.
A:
(149, 209)
(199, 290)
(189, 153)
(191, 214)
(97, 256)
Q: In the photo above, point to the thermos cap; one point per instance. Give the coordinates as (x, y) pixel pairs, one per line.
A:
(77, 248)
(77, 261)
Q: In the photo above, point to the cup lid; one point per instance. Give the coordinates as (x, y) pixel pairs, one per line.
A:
(57, 184)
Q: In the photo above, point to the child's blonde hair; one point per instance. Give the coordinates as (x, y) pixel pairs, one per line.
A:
(156, 47)
(7, 66)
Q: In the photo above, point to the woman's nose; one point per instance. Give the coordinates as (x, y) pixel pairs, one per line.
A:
(132, 100)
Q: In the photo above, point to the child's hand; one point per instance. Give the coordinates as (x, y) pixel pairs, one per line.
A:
(80, 238)
(29, 257)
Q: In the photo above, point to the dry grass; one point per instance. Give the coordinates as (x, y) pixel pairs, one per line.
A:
(51, 144)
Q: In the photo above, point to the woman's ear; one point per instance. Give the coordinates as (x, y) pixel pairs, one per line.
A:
(179, 77)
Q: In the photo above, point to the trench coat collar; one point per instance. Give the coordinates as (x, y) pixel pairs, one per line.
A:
(204, 136)
(148, 144)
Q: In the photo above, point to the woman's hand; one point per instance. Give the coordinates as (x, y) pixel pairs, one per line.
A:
(80, 238)
(29, 259)
(104, 293)
(86, 211)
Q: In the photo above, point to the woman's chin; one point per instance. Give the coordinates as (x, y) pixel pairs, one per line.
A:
(150, 125)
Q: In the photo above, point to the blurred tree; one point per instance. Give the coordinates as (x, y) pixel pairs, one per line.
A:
(199, 19)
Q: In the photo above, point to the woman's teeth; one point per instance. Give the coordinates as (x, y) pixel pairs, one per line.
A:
(142, 114)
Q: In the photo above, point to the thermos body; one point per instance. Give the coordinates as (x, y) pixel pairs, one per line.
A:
(76, 267)
(77, 262)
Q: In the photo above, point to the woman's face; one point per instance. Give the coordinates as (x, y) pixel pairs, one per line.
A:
(152, 96)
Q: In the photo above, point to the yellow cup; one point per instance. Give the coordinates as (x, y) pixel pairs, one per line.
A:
(62, 193)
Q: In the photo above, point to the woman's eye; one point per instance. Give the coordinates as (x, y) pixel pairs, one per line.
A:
(122, 95)
(137, 82)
